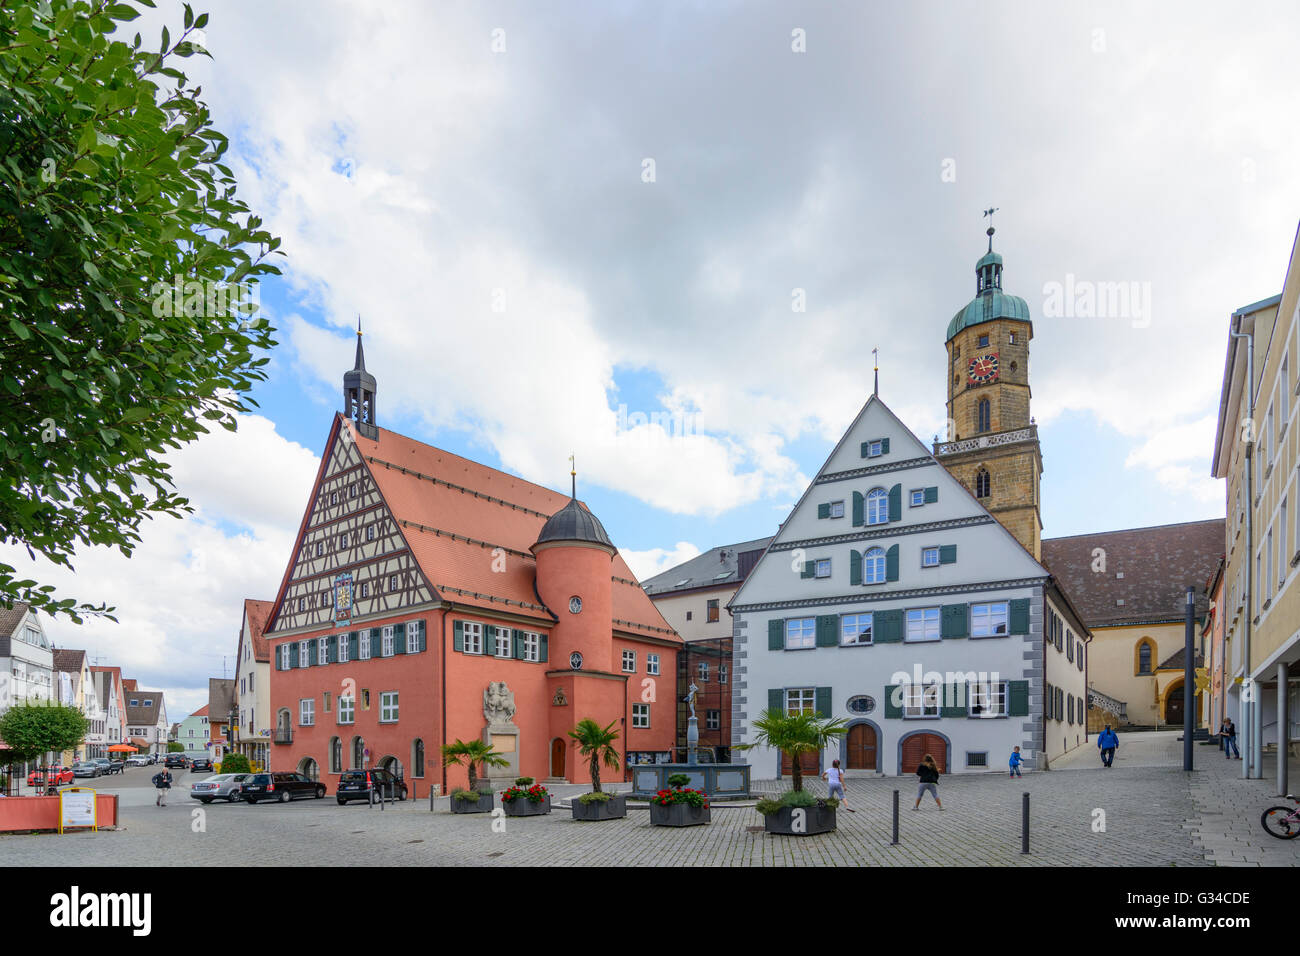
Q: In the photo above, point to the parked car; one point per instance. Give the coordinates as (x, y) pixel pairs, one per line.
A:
(107, 766)
(137, 760)
(201, 763)
(358, 785)
(223, 786)
(85, 769)
(281, 785)
(176, 761)
(56, 776)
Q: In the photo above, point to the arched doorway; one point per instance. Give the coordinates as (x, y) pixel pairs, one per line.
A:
(308, 768)
(860, 747)
(391, 764)
(558, 750)
(1174, 705)
(915, 746)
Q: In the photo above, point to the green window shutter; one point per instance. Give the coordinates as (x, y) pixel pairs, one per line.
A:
(893, 701)
(541, 640)
(376, 642)
(952, 621)
(333, 651)
(866, 449)
(887, 626)
(517, 644)
(855, 566)
(947, 554)
(809, 569)
(891, 563)
(776, 635)
(884, 446)
(859, 509)
(823, 704)
(931, 495)
(954, 701)
(1018, 702)
(896, 503)
(354, 645)
(776, 700)
(1020, 616)
(824, 510)
(828, 627)
(399, 638)
(458, 636)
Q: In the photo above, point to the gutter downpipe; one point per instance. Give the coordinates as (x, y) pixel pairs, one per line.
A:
(1249, 706)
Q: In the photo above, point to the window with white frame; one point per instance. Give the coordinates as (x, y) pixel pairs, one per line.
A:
(855, 629)
(989, 620)
(923, 624)
(532, 646)
(877, 506)
(320, 548)
(387, 635)
(334, 497)
(323, 650)
(363, 649)
(641, 716)
(304, 653)
(388, 707)
(473, 634)
(370, 532)
(392, 583)
(918, 497)
(822, 568)
(501, 642)
(365, 589)
(837, 509)
(284, 661)
(873, 566)
(327, 597)
(800, 632)
(702, 670)
(306, 712)
(712, 720)
(302, 604)
(987, 698)
(652, 664)
(347, 710)
(343, 641)
(629, 662)
(875, 449)
(920, 700)
(929, 557)
(800, 700)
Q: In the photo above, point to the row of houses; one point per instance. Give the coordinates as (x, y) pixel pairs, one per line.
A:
(118, 711)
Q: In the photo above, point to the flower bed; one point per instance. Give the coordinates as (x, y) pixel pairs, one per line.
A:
(530, 802)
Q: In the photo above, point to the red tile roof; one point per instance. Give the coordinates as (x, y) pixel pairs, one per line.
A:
(1157, 564)
(258, 613)
(201, 712)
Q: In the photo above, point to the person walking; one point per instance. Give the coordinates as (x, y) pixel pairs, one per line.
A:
(834, 778)
(1016, 761)
(928, 772)
(1229, 734)
(163, 782)
(1107, 742)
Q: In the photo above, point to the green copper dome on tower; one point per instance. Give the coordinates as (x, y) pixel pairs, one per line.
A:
(990, 301)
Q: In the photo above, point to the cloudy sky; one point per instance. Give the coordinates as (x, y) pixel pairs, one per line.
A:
(559, 220)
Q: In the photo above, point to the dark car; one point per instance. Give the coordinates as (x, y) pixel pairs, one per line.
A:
(359, 784)
(176, 761)
(281, 785)
(201, 763)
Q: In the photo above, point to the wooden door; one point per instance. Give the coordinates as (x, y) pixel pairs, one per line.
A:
(861, 747)
(557, 758)
(1174, 706)
(917, 746)
(809, 762)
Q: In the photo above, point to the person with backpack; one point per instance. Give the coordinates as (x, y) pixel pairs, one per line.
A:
(1229, 734)
(1107, 741)
(928, 772)
(163, 782)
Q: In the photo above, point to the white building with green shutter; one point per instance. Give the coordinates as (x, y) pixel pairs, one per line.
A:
(891, 598)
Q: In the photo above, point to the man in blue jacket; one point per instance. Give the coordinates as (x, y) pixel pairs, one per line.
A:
(1107, 741)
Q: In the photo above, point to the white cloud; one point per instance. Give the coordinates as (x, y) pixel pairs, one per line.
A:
(646, 564)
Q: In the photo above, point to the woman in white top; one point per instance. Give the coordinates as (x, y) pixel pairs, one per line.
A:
(835, 780)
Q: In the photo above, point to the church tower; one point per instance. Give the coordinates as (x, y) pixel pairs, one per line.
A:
(992, 445)
(359, 394)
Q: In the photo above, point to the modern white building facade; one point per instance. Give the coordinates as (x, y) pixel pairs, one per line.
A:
(891, 598)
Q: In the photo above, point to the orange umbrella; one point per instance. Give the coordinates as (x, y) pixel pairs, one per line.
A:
(122, 748)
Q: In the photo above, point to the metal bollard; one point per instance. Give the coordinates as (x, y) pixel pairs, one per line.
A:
(431, 789)
(1024, 824)
(894, 841)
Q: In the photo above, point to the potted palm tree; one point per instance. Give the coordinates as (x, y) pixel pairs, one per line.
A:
(796, 812)
(472, 754)
(596, 744)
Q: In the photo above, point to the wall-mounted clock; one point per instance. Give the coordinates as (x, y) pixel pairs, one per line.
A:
(575, 661)
(983, 368)
(575, 604)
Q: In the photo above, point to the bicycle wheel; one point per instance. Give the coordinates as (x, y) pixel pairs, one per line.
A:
(1281, 822)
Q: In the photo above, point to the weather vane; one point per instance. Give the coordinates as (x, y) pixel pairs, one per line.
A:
(989, 213)
(875, 360)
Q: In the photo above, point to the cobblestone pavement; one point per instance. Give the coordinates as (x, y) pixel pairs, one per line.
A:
(1153, 814)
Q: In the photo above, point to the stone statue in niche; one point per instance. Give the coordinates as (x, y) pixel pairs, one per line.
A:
(559, 700)
(498, 703)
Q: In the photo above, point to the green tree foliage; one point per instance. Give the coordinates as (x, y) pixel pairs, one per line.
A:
(472, 755)
(235, 763)
(128, 274)
(597, 744)
(175, 748)
(795, 735)
(32, 729)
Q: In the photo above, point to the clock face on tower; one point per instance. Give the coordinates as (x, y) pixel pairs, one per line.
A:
(983, 368)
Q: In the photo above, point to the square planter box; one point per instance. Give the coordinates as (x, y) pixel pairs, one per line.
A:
(612, 809)
(679, 815)
(816, 819)
(484, 804)
(523, 807)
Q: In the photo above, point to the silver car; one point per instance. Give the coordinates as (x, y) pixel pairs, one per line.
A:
(222, 786)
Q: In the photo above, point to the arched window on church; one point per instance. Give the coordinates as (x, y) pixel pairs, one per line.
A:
(985, 416)
(1144, 657)
(982, 484)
